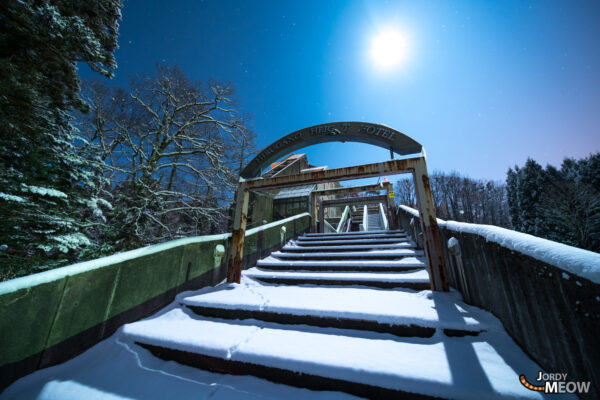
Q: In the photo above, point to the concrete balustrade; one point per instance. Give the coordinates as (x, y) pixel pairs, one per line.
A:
(552, 313)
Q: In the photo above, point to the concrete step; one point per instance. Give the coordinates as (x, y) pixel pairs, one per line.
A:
(366, 364)
(353, 255)
(352, 236)
(352, 247)
(396, 312)
(417, 280)
(369, 241)
(343, 234)
(401, 265)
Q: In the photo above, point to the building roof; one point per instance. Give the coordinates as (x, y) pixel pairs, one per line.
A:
(294, 191)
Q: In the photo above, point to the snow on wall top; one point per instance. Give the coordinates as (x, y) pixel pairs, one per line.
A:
(55, 274)
(583, 263)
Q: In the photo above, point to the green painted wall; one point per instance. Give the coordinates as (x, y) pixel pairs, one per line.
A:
(42, 310)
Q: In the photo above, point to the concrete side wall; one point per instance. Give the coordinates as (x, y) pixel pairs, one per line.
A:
(45, 321)
(553, 315)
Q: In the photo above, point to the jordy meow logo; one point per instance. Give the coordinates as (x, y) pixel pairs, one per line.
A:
(555, 383)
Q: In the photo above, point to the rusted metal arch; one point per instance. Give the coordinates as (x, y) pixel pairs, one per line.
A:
(363, 132)
(416, 166)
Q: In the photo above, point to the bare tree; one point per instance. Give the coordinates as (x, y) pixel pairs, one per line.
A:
(461, 198)
(171, 149)
(405, 192)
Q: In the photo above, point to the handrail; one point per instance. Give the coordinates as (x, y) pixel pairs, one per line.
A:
(328, 227)
(383, 217)
(365, 219)
(343, 219)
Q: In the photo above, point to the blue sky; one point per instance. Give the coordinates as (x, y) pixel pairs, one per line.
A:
(486, 84)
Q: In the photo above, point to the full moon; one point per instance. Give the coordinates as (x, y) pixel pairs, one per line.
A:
(389, 49)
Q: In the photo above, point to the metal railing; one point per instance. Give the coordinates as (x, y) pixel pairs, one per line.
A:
(383, 218)
(328, 227)
(342, 222)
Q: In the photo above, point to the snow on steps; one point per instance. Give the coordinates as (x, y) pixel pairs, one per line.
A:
(320, 242)
(403, 264)
(398, 312)
(337, 247)
(357, 255)
(116, 369)
(341, 236)
(298, 257)
(363, 363)
(355, 234)
(418, 280)
(363, 341)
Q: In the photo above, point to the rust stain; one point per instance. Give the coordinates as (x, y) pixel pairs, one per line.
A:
(362, 171)
(352, 200)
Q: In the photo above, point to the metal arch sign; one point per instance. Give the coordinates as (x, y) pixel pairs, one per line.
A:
(364, 132)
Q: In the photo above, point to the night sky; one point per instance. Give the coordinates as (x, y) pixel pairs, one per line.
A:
(482, 84)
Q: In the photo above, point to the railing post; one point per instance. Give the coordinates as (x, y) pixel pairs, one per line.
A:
(313, 212)
(321, 226)
(384, 219)
(240, 217)
(429, 226)
(391, 209)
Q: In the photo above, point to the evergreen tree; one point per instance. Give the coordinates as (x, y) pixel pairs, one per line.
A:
(571, 203)
(589, 171)
(531, 181)
(45, 184)
(561, 205)
(511, 195)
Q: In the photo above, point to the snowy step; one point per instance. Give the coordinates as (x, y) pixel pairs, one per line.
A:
(417, 280)
(369, 365)
(403, 264)
(337, 247)
(362, 236)
(396, 312)
(330, 242)
(357, 255)
(345, 234)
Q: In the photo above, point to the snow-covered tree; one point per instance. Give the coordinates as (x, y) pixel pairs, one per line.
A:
(44, 183)
(561, 205)
(571, 203)
(172, 149)
(525, 194)
(511, 196)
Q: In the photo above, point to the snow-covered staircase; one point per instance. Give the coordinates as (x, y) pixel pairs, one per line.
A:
(385, 259)
(374, 219)
(339, 312)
